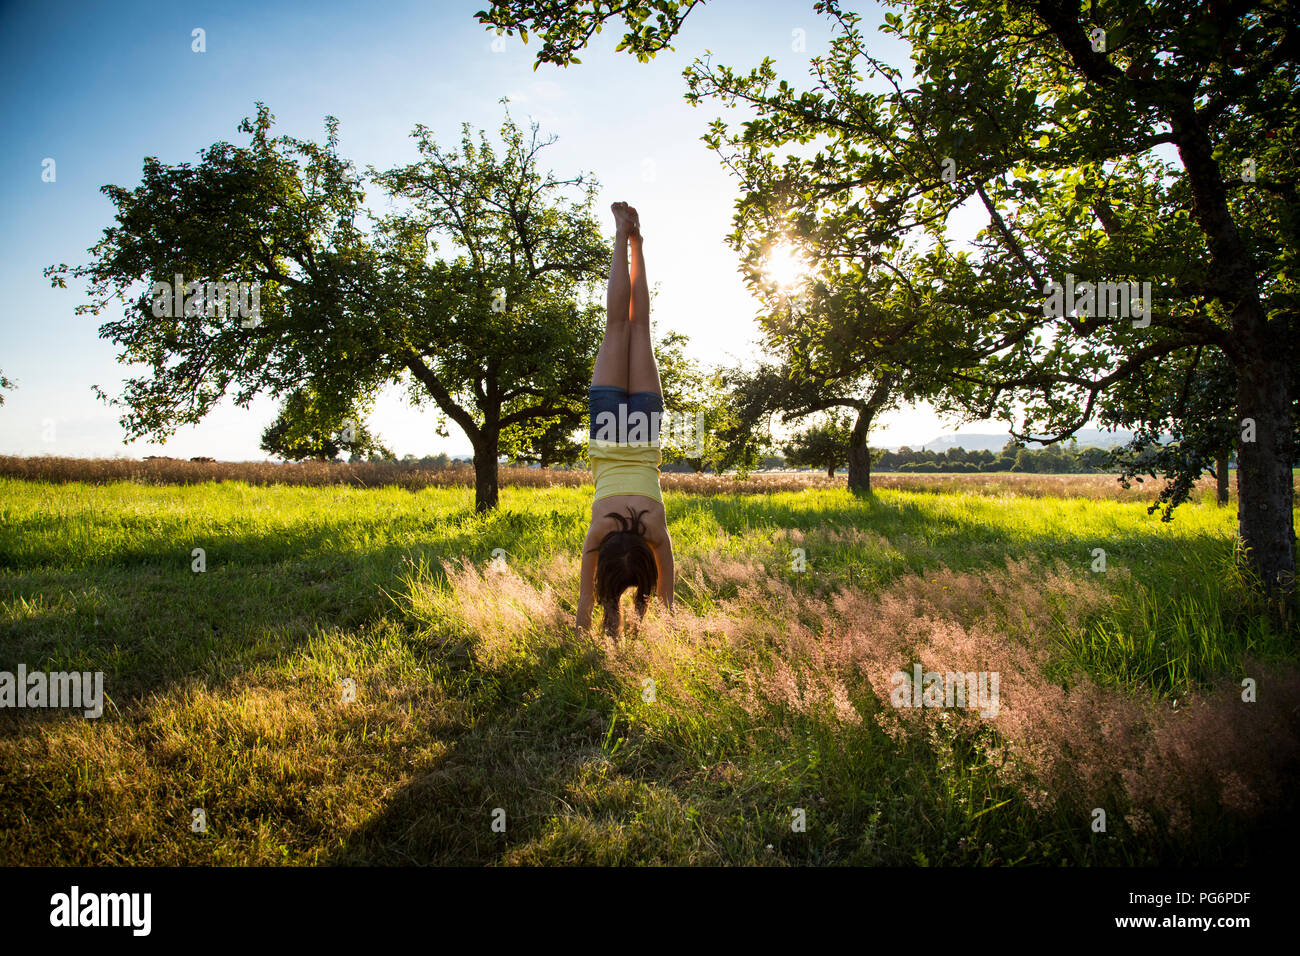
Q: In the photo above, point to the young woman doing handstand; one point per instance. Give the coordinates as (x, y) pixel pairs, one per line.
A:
(627, 544)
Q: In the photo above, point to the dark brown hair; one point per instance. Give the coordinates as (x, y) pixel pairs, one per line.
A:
(625, 560)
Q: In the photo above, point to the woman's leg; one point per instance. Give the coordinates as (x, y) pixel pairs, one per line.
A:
(642, 370)
(611, 360)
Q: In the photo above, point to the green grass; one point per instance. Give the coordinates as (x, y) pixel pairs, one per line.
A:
(225, 685)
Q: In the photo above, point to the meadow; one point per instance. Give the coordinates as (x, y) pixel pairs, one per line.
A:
(753, 726)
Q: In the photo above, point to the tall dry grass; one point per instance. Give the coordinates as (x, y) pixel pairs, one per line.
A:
(412, 477)
(776, 646)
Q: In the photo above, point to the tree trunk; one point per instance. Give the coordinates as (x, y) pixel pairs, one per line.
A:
(860, 454)
(1221, 474)
(830, 472)
(485, 474)
(1264, 482)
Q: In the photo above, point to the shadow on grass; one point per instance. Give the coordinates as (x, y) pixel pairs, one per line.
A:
(534, 726)
(148, 620)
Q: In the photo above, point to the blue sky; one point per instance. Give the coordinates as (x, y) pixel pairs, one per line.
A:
(97, 87)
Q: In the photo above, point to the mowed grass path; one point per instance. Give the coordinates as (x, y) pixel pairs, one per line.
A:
(475, 704)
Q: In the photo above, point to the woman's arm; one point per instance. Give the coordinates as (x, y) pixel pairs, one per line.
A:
(586, 582)
(664, 556)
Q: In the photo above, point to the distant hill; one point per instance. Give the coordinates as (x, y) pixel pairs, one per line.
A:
(975, 441)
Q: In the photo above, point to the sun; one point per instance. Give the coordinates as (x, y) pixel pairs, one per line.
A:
(785, 266)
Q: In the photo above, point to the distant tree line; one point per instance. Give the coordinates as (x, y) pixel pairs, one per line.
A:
(826, 445)
(1053, 459)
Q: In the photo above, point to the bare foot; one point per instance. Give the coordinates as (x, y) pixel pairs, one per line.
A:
(626, 219)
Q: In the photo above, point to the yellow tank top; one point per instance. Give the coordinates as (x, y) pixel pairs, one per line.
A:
(625, 469)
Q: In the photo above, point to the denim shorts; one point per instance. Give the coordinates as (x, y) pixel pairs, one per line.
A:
(607, 399)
